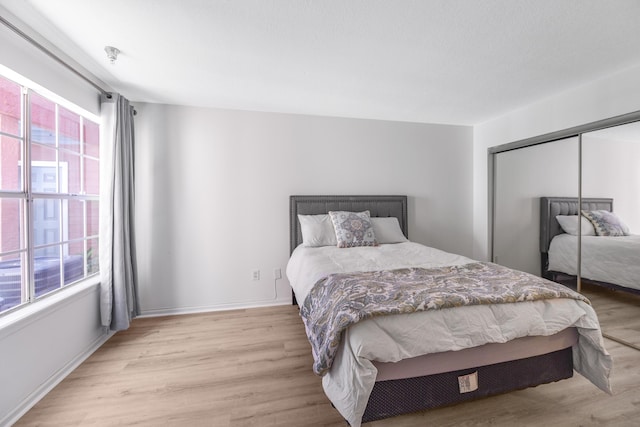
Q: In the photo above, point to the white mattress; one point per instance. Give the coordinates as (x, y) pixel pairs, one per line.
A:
(607, 259)
(392, 338)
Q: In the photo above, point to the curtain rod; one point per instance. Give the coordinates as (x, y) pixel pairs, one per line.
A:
(52, 55)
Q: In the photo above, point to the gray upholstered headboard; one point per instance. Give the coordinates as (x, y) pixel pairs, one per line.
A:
(378, 206)
(550, 207)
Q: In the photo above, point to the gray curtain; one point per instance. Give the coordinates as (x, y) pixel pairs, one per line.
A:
(118, 290)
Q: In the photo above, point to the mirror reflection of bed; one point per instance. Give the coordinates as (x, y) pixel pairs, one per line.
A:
(611, 167)
(603, 160)
(609, 256)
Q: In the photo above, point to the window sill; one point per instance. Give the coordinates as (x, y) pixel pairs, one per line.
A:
(23, 316)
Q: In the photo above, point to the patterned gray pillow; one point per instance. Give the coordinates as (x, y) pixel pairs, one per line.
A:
(606, 223)
(353, 229)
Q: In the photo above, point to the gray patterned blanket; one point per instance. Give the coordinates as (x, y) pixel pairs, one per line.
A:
(340, 300)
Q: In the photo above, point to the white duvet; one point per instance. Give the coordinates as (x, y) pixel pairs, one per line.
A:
(392, 338)
(607, 259)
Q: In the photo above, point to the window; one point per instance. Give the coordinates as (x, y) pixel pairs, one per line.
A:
(49, 195)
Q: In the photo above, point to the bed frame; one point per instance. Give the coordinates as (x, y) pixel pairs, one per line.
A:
(549, 228)
(400, 396)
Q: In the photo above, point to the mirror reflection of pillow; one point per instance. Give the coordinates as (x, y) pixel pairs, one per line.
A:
(606, 223)
(569, 224)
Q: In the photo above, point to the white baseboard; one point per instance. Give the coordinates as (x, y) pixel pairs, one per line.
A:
(206, 309)
(31, 400)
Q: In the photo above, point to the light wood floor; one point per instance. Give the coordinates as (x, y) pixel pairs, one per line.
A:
(253, 368)
(618, 312)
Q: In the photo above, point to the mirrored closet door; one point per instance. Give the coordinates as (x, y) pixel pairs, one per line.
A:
(610, 265)
(598, 164)
(522, 176)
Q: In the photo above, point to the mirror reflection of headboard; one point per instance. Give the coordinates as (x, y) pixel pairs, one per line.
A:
(550, 207)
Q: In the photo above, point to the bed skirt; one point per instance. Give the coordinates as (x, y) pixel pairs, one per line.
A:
(395, 397)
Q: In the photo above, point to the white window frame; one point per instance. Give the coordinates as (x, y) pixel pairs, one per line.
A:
(27, 196)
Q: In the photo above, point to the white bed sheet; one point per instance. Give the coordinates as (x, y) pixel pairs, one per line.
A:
(307, 265)
(349, 382)
(607, 259)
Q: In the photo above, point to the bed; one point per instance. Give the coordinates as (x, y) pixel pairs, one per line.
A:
(390, 365)
(611, 262)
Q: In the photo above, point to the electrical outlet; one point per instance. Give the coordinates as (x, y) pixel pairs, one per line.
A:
(277, 273)
(255, 275)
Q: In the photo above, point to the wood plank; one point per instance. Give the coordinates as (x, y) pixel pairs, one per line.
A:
(618, 312)
(253, 368)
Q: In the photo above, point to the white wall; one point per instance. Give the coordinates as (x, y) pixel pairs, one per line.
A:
(41, 344)
(608, 97)
(213, 187)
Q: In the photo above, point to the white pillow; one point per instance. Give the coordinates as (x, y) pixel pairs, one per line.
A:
(387, 230)
(569, 224)
(317, 230)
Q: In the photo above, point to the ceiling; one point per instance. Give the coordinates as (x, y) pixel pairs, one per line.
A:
(435, 61)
